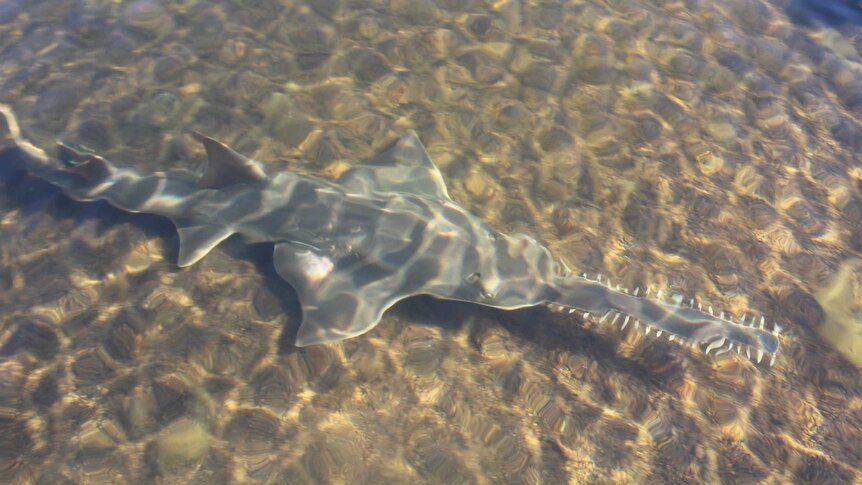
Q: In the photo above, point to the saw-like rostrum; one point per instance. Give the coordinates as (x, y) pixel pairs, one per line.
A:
(384, 231)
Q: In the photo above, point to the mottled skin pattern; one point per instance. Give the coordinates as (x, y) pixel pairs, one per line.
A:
(385, 231)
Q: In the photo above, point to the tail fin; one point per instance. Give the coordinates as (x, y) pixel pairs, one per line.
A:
(78, 173)
(9, 131)
(34, 159)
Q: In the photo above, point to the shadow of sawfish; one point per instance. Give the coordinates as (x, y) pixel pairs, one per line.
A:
(384, 231)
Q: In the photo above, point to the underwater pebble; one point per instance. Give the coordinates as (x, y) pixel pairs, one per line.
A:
(182, 442)
(541, 76)
(9, 11)
(492, 343)
(510, 115)
(682, 64)
(118, 46)
(253, 431)
(681, 34)
(510, 456)
(34, 337)
(555, 139)
(327, 9)
(147, 17)
(368, 26)
(47, 390)
(367, 65)
(339, 455)
(478, 184)
(97, 134)
(770, 55)
(480, 25)
(433, 455)
(169, 68)
(91, 369)
(138, 413)
(594, 59)
(233, 50)
(207, 31)
(734, 62)
(96, 448)
(751, 14)
(721, 129)
(273, 388)
(172, 397)
(423, 350)
(717, 78)
(620, 31)
(482, 67)
(648, 128)
(56, 102)
(310, 40)
(16, 442)
(566, 219)
(284, 121)
(121, 342)
(12, 380)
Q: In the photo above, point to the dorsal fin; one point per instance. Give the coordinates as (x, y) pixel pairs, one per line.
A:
(227, 167)
(403, 167)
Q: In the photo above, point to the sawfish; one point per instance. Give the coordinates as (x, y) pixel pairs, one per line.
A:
(385, 230)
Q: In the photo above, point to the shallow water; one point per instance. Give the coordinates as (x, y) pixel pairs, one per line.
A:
(707, 148)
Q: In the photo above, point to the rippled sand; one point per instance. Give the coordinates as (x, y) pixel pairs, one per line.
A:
(708, 148)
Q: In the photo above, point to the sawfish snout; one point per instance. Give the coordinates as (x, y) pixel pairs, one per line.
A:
(686, 323)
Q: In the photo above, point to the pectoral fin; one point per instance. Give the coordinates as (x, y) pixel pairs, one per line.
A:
(404, 167)
(198, 240)
(339, 298)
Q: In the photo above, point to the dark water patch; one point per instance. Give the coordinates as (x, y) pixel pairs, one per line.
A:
(824, 12)
(820, 469)
(37, 338)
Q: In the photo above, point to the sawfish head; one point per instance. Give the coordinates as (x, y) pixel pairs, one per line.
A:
(424, 243)
(414, 243)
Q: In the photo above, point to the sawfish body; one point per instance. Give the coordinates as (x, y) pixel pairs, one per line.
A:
(384, 231)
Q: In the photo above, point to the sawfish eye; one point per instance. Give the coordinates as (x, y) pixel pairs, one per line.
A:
(475, 279)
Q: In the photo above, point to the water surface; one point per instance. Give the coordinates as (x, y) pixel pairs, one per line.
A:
(706, 148)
